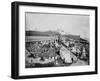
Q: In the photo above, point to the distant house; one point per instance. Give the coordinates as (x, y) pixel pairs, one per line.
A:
(69, 37)
(75, 37)
(84, 41)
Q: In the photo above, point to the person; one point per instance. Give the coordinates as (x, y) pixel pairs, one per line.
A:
(78, 52)
(83, 56)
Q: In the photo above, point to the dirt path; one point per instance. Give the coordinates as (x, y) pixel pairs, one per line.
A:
(79, 63)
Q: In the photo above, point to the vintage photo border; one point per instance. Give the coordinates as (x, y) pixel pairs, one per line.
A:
(15, 39)
(54, 70)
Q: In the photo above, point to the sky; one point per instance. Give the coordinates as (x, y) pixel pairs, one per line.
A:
(70, 23)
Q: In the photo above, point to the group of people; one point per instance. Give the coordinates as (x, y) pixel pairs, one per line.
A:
(81, 51)
(50, 51)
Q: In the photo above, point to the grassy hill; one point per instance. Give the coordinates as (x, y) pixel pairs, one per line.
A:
(38, 33)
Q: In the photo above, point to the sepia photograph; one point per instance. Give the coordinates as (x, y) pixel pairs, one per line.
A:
(56, 40)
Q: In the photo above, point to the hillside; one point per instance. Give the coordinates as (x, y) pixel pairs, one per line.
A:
(38, 33)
